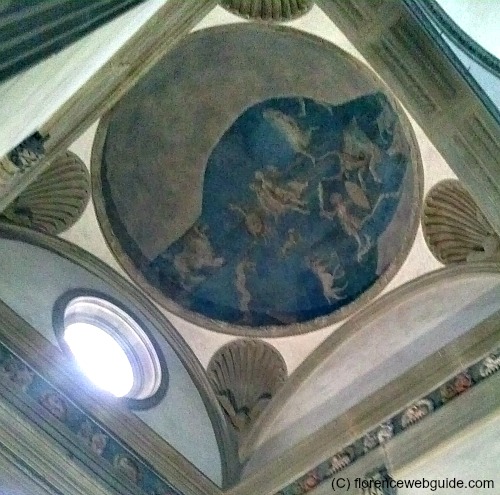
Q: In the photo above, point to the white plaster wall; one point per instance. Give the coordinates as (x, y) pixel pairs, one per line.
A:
(30, 98)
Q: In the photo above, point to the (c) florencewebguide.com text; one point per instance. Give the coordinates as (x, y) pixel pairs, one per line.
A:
(388, 484)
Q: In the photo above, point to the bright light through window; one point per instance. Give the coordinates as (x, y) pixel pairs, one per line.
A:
(111, 348)
(101, 358)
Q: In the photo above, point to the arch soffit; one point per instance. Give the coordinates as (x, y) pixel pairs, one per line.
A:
(131, 295)
(369, 313)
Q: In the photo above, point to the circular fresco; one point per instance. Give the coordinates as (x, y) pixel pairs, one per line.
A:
(258, 191)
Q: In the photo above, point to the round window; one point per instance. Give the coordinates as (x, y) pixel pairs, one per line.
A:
(111, 348)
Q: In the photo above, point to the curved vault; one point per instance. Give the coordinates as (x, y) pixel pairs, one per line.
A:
(34, 264)
(373, 349)
(273, 202)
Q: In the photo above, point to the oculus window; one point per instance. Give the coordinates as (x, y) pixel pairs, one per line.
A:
(111, 348)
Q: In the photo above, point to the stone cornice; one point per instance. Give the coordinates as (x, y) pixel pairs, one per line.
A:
(155, 38)
(408, 53)
(459, 36)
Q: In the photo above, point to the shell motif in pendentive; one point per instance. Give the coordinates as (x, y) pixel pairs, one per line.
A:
(454, 227)
(268, 10)
(55, 200)
(245, 375)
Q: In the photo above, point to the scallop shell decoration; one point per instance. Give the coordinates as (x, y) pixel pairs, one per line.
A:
(245, 375)
(454, 227)
(55, 200)
(268, 10)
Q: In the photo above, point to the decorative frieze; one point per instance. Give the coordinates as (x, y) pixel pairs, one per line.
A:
(454, 227)
(379, 436)
(455, 387)
(83, 431)
(490, 365)
(245, 375)
(416, 412)
(397, 424)
(341, 460)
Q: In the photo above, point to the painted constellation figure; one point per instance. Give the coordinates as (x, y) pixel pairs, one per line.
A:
(297, 194)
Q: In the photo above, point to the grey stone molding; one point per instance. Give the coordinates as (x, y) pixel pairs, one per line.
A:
(51, 364)
(409, 54)
(459, 36)
(156, 37)
(454, 227)
(268, 10)
(33, 462)
(57, 198)
(245, 375)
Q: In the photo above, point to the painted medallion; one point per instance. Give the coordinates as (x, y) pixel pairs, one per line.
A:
(272, 211)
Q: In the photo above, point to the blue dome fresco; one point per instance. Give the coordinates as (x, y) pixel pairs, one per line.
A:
(296, 195)
(254, 196)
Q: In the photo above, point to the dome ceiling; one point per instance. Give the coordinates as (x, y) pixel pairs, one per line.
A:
(268, 198)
